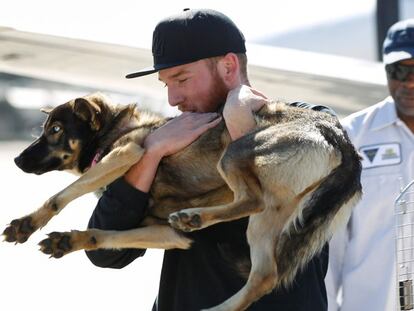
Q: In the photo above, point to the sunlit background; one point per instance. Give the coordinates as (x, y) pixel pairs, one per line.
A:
(322, 51)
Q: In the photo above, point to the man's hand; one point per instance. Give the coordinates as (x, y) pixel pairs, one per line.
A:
(241, 102)
(172, 137)
(179, 132)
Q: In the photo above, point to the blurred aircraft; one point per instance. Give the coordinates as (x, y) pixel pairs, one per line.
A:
(39, 70)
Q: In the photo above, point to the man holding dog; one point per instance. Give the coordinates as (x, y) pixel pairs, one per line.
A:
(200, 57)
(362, 256)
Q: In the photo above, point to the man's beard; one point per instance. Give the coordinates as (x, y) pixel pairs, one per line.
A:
(218, 95)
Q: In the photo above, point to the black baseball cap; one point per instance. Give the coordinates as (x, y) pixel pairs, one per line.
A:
(190, 36)
(399, 42)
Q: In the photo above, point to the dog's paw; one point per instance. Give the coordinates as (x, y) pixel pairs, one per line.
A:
(59, 244)
(186, 220)
(19, 230)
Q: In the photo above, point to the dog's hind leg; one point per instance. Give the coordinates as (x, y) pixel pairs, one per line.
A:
(263, 274)
(238, 171)
(112, 166)
(59, 244)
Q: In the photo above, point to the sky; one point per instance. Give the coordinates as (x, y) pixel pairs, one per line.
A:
(130, 22)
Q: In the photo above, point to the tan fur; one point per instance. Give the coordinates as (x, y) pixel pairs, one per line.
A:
(296, 176)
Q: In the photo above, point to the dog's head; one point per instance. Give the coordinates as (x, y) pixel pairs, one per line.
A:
(67, 130)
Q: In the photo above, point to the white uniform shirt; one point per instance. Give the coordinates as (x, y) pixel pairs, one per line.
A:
(362, 255)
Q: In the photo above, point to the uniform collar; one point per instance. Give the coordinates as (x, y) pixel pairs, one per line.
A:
(385, 116)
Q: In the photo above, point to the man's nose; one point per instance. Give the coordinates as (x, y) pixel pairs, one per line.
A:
(174, 97)
(409, 81)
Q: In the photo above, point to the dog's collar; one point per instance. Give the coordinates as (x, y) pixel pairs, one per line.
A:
(102, 151)
(96, 158)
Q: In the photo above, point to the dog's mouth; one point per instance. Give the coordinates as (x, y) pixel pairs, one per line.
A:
(40, 172)
(33, 167)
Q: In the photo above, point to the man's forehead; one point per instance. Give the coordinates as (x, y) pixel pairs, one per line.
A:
(173, 72)
(409, 62)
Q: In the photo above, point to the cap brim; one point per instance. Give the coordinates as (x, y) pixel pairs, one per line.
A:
(397, 56)
(153, 69)
(142, 72)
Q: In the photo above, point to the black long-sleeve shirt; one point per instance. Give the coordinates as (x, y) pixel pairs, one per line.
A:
(204, 275)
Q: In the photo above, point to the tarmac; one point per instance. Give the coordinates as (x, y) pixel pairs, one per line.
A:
(103, 66)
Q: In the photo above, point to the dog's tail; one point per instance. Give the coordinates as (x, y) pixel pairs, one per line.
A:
(329, 205)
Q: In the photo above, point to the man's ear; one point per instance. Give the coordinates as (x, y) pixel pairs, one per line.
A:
(229, 70)
(88, 111)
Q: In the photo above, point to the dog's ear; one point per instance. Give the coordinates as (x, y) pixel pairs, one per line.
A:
(46, 110)
(88, 111)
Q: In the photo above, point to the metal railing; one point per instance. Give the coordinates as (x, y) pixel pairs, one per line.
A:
(404, 243)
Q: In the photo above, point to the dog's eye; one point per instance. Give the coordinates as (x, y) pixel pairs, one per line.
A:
(56, 128)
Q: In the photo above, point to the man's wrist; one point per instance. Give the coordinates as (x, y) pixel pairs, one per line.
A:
(142, 173)
(154, 153)
(154, 148)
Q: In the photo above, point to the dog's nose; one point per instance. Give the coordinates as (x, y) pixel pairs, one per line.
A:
(18, 160)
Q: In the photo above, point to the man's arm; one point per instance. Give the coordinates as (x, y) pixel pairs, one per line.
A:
(238, 110)
(313, 107)
(121, 207)
(124, 205)
(168, 139)
(243, 100)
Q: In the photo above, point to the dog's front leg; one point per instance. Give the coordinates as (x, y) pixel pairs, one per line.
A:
(112, 166)
(59, 244)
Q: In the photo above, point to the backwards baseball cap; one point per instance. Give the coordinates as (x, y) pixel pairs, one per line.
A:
(399, 42)
(190, 36)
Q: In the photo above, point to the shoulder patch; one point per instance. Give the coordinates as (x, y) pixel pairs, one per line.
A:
(380, 155)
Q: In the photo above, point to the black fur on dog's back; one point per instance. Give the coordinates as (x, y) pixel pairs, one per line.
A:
(300, 242)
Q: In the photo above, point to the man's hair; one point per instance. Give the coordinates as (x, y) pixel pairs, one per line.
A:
(242, 57)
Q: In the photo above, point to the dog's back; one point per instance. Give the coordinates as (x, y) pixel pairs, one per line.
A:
(299, 164)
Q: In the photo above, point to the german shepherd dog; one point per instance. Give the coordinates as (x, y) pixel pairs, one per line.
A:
(296, 176)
